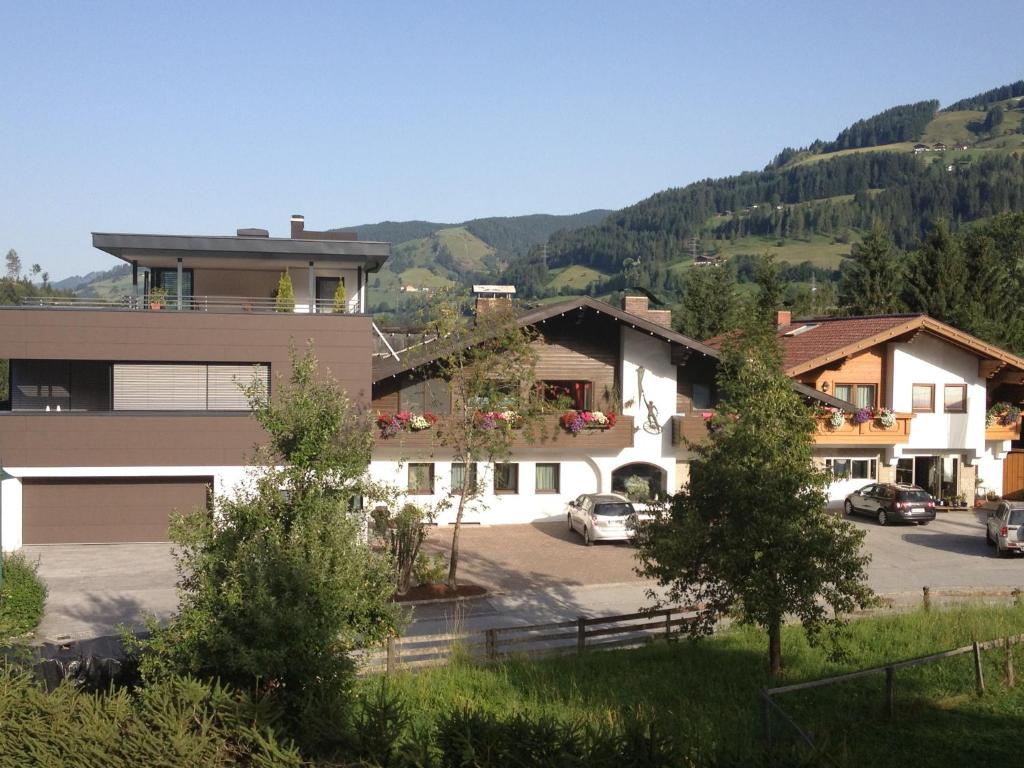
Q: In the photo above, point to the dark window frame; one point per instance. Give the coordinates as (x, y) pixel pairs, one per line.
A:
(931, 407)
(854, 390)
(457, 490)
(558, 477)
(417, 491)
(515, 485)
(963, 398)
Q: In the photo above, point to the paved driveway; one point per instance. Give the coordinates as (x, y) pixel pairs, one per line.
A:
(536, 572)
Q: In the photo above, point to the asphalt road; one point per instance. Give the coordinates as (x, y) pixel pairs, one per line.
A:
(535, 573)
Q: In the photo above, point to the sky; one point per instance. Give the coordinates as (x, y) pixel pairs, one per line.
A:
(199, 118)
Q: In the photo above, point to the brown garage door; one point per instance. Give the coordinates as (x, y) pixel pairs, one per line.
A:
(60, 511)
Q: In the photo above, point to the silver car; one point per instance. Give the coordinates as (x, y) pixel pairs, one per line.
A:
(602, 517)
(1005, 527)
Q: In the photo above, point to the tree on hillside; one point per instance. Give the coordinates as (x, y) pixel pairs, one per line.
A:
(710, 305)
(277, 584)
(770, 289)
(870, 284)
(750, 534)
(489, 369)
(937, 278)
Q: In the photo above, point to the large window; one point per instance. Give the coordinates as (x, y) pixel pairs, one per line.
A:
(506, 478)
(852, 469)
(459, 477)
(571, 394)
(954, 398)
(168, 280)
(70, 385)
(428, 395)
(185, 386)
(923, 398)
(861, 395)
(548, 478)
(421, 479)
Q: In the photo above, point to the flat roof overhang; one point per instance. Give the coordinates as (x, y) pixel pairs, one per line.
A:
(232, 252)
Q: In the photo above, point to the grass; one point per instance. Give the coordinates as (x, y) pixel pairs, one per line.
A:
(817, 249)
(468, 250)
(575, 276)
(421, 277)
(706, 692)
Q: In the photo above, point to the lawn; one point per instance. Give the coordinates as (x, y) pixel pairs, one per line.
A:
(575, 276)
(820, 250)
(706, 692)
(468, 250)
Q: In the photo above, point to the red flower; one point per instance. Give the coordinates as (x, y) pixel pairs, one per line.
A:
(612, 418)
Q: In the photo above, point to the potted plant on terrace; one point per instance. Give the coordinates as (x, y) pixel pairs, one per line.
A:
(157, 297)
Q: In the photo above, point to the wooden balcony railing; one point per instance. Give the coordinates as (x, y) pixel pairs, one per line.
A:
(999, 431)
(692, 427)
(548, 437)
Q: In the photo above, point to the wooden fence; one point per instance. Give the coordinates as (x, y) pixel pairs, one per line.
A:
(573, 636)
(771, 707)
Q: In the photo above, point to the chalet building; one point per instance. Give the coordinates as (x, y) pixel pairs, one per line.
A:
(123, 410)
(930, 404)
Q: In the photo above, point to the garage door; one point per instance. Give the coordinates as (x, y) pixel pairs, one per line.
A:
(58, 511)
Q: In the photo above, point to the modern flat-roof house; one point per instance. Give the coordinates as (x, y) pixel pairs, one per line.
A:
(122, 410)
(941, 387)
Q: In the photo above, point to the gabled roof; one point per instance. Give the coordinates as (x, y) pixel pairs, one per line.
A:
(424, 354)
(810, 344)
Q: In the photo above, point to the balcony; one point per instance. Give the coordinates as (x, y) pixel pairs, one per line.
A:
(245, 304)
(691, 427)
(871, 432)
(548, 439)
(999, 431)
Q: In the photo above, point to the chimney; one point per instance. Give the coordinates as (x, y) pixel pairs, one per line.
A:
(298, 225)
(299, 231)
(640, 306)
(783, 318)
(492, 297)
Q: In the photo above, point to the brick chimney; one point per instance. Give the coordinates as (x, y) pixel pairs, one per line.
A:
(299, 231)
(492, 297)
(640, 306)
(783, 318)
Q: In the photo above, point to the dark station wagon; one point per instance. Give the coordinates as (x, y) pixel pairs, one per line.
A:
(892, 502)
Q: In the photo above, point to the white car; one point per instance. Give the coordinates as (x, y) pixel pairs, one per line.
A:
(1005, 528)
(601, 517)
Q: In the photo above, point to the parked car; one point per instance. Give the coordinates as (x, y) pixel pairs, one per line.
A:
(602, 517)
(1005, 527)
(892, 502)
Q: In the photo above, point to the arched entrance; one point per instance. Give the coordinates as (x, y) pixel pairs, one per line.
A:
(630, 480)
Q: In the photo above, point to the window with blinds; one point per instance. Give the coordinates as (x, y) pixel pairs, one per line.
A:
(184, 386)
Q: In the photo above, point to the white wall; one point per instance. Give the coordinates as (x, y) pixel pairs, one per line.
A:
(300, 284)
(10, 514)
(928, 360)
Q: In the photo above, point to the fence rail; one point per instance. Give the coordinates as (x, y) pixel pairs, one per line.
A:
(571, 636)
(188, 303)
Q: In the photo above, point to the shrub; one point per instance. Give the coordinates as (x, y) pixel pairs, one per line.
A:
(22, 596)
(285, 299)
(637, 488)
(430, 569)
(178, 721)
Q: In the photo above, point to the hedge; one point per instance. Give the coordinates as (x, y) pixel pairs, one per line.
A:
(22, 596)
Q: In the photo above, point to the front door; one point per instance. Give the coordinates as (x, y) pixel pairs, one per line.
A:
(326, 287)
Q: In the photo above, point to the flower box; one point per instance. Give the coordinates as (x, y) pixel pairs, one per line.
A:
(575, 422)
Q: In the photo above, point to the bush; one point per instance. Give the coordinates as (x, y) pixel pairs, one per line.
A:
(176, 722)
(22, 596)
(430, 569)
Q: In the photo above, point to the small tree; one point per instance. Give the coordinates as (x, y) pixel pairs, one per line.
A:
(285, 300)
(490, 372)
(13, 264)
(278, 584)
(340, 297)
(750, 534)
(872, 276)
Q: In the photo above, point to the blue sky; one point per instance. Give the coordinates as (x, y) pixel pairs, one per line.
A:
(204, 117)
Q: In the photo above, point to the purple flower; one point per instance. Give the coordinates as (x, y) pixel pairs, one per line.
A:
(862, 416)
(577, 424)
(488, 422)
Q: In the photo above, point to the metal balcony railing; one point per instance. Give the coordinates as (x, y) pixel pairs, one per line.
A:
(188, 304)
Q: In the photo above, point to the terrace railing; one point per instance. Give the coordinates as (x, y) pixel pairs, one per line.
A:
(170, 304)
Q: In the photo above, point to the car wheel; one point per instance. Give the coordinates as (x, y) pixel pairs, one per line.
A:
(1000, 552)
(882, 517)
(587, 538)
(988, 537)
(848, 508)
(923, 522)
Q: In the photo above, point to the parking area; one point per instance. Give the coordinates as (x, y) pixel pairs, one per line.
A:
(95, 587)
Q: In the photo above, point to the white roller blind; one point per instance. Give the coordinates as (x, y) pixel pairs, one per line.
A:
(159, 387)
(225, 382)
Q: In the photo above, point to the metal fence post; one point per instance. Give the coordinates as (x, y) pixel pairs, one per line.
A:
(979, 675)
(581, 634)
(890, 692)
(927, 598)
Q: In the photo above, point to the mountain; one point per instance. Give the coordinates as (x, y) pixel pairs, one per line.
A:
(76, 282)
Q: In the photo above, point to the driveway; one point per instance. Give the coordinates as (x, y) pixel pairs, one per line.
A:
(535, 573)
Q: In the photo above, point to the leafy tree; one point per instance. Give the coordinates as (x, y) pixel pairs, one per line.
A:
(750, 533)
(340, 297)
(277, 584)
(872, 276)
(710, 304)
(285, 300)
(13, 265)
(770, 289)
(489, 369)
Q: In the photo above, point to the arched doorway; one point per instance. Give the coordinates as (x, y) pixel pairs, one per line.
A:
(629, 479)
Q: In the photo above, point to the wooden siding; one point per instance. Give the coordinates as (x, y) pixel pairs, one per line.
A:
(868, 433)
(697, 368)
(577, 354)
(867, 367)
(1000, 432)
(1013, 475)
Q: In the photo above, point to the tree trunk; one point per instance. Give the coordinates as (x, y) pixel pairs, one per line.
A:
(453, 562)
(775, 647)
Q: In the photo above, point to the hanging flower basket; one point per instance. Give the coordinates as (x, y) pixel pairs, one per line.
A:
(404, 421)
(1003, 414)
(575, 422)
(488, 420)
(886, 418)
(862, 416)
(836, 418)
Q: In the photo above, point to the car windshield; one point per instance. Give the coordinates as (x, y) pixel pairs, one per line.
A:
(1016, 517)
(914, 496)
(613, 510)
